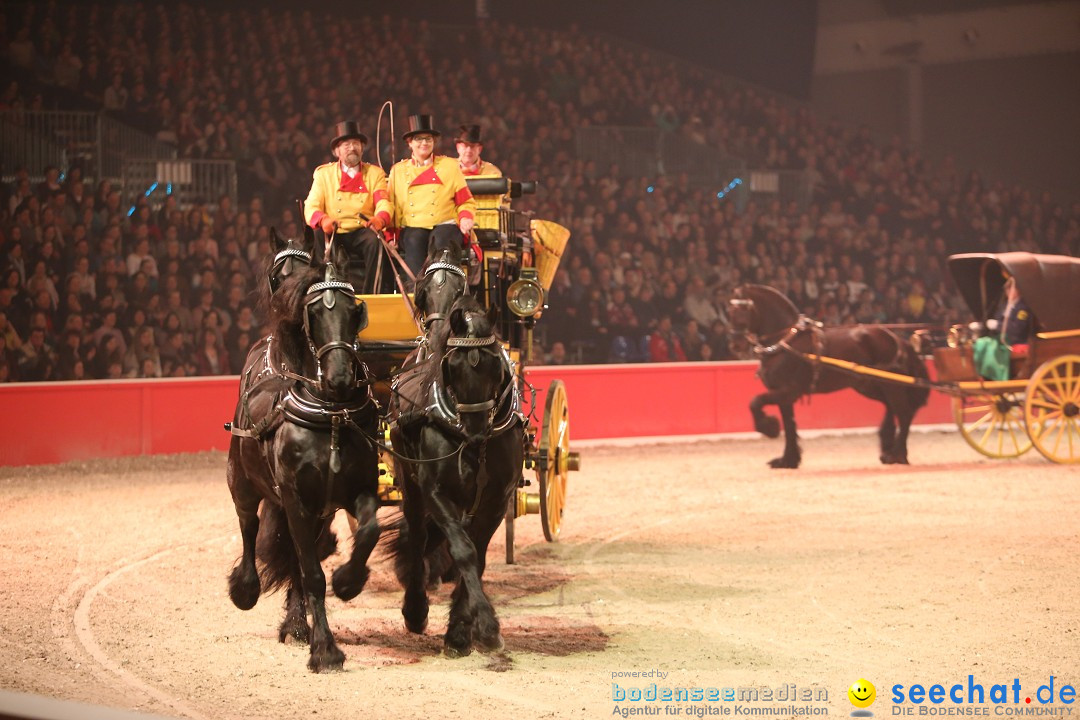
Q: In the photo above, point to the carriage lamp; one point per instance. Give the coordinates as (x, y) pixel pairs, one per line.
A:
(525, 296)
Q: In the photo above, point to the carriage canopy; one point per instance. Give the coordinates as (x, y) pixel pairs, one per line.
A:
(1050, 284)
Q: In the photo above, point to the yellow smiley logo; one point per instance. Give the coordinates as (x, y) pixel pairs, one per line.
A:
(862, 693)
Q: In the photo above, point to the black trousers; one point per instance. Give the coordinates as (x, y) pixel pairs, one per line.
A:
(419, 244)
(364, 252)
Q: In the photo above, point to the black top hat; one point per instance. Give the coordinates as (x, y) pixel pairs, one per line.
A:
(468, 133)
(347, 129)
(420, 124)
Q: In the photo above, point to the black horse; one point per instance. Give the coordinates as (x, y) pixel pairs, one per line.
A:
(301, 450)
(459, 416)
(780, 335)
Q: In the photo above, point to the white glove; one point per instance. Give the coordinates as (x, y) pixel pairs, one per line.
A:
(992, 325)
(975, 327)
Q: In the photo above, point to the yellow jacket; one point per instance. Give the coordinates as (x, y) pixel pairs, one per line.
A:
(423, 197)
(343, 198)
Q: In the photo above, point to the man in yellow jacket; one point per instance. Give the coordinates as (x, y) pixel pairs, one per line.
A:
(349, 202)
(432, 205)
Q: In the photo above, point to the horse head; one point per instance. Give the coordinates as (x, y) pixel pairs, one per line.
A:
(441, 283)
(474, 369)
(316, 317)
(760, 310)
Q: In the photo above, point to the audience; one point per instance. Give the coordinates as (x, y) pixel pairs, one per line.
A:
(91, 290)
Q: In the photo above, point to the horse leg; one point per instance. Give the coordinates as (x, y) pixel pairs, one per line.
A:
(468, 602)
(485, 630)
(305, 529)
(764, 423)
(792, 456)
(904, 413)
(887, 435)
(244, 586)
(415, 606)
(295, 624)
(348, 580)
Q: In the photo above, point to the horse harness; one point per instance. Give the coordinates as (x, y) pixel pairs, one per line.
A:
(300, 402)
(781, 341)
(442, 408)
(444, 411)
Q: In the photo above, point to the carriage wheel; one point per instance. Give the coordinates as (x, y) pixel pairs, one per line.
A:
(1052, 409)
(554, 459)
(992, 424)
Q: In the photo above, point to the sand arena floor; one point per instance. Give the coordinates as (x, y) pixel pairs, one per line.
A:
(692, 560)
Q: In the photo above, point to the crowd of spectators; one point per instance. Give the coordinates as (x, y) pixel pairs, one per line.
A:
(95, 288)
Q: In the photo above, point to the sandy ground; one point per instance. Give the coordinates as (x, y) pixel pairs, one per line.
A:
(692, 560)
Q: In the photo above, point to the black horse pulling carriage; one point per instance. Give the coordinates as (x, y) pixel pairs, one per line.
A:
(311, 435)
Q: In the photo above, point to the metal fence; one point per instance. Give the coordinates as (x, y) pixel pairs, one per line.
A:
(648, 152)
(95, 140)
(188, 180)
(20, 146)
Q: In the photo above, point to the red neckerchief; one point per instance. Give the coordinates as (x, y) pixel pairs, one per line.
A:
(352, 184)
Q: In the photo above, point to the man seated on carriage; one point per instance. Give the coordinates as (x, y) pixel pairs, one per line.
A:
(432, 206)
(349, 202)
(469, 146)
(1010, 330)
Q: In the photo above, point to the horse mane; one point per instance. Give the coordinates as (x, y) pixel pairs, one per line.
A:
(287, 314)
(424, 281)
(775, 310)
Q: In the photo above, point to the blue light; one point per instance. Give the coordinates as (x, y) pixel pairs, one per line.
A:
(149, 190)
(131, 211)
(649, 189)
(730, 186)
(168, 189)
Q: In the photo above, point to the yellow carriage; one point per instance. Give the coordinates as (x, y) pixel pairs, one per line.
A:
(520, 257)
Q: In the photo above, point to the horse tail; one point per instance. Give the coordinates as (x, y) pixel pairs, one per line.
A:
(436, 552)
(276, 552)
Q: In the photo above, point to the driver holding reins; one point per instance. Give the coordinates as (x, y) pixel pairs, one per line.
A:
(432, 205)
(349, 201)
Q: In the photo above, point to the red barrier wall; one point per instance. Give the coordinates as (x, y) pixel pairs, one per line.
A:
(63, 421)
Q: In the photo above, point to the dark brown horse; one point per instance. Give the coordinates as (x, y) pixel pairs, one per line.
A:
(781, 338)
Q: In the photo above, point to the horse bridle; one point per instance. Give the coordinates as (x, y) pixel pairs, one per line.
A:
(473, 346)
(279, 262)
(452, 269)
(324, 291)
(748, 305)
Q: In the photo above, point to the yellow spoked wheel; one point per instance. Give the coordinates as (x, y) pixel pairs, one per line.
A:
(554, 459)
(993, 424)
(1052, 409)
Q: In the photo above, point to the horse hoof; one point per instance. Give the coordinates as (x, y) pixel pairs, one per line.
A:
(894, 460)
(244, 592)
(348, 583)
(295, 628)
(769, 427)
(783, 463)
(330, 660)
(416, 625)
(454, 652)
